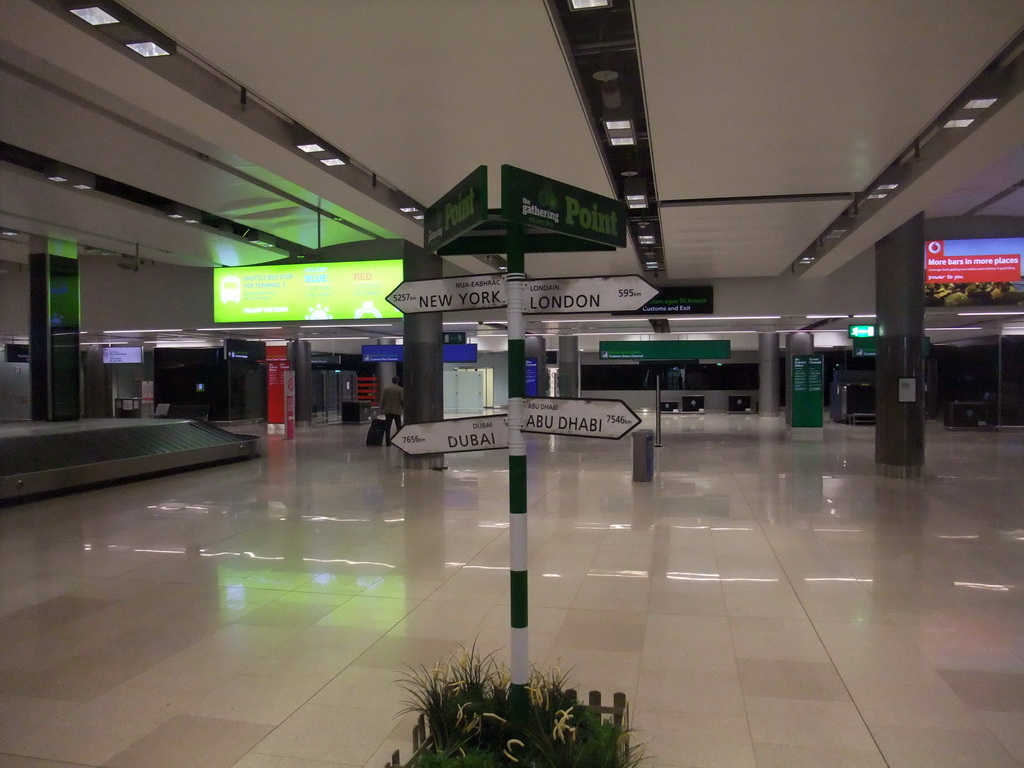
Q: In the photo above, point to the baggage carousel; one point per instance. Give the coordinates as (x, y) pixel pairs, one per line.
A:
(40, 458)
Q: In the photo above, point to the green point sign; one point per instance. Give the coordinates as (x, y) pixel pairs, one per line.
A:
(459, 210)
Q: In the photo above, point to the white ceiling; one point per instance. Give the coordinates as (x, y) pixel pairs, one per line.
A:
(744, 98)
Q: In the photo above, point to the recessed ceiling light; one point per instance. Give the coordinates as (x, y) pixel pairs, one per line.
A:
(646, 239)
(409, 209)
(959, 123)
(887, 186)
(95, 16)
(979, 103)
(310, 147)
(9, 233)
(191, 221)
(877, 195)
(642, 203)
(618, 125)
(605, 75)
(148, 49)
(635, 198)
(652, 265)
(332, 161)
(418, 217)
(82, 186)
(629, 174)
(583, 5)
(175, 216)
(56, 178)
(623, 141)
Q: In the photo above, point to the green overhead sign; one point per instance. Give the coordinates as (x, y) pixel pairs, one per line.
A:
(459, 210)
(665, 350)
(861, 331)
(807, 385)
(544, 203)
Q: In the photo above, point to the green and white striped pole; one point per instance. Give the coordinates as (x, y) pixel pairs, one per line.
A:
(515, 290)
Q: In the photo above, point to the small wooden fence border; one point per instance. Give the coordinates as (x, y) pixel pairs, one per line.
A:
(421, 740)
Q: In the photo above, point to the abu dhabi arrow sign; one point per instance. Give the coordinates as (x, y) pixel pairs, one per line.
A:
(483, 433)
(621, 293)
(554, 295)
(609, 419)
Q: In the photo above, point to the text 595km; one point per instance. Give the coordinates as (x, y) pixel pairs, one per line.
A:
(628, 293)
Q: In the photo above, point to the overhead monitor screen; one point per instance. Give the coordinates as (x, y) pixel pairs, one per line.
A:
(349, 290)
(972, 273)
(122, 354)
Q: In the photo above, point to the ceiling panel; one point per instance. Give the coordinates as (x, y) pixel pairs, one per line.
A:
(740, 240)
(90, 218)
(45, 122)
(981, 187)
(1011, 205)
(420, 92)
(802, 96)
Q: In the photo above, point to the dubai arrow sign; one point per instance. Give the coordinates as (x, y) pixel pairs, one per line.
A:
(608, 419)
(621, 293)
(483, 433)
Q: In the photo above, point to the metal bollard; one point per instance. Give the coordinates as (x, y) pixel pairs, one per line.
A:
(643, 455)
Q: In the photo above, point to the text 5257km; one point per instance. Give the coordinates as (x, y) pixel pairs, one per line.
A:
(401, 297)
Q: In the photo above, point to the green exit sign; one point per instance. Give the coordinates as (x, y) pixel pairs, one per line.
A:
(862, 331)
(453, 337)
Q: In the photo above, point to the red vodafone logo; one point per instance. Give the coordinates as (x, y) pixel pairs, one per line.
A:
(935, 247)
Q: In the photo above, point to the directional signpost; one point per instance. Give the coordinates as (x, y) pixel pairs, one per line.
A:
(484, 433)
(554, 295)
(609, 419)
(450, 294)
(571, 219)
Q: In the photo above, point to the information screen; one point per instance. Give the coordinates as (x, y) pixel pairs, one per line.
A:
(122, 354)
(350, 290)
(969, 273)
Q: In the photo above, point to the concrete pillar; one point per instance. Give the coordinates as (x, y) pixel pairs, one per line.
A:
(54, 322)
(423, 367)
(768, 374)
(899, 364)
(568, 366)
(96, 385)
(800, 343)
(536, 348)
(300, 360)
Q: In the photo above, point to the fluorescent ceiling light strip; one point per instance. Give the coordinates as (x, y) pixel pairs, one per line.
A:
(726, 317)
(826, 317)
(865, 315)
(965, 328)
(972, 104)
(985, 314)
(245, 328)
(148, 49)
(333, 338)
(95, 16)
(149, 330)
(352, 325)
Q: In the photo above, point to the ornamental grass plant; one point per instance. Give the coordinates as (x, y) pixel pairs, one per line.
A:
(465, 702)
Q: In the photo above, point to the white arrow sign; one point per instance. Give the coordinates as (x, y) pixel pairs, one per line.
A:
(623, 293)
(450, 294)
(483, 433)
(587, 294)
(610, 419)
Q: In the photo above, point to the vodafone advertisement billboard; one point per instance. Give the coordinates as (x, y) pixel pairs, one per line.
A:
(974, 272)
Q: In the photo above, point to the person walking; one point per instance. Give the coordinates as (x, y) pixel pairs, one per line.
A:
(391, 402)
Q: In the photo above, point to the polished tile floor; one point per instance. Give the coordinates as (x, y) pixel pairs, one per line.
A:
(763, 602)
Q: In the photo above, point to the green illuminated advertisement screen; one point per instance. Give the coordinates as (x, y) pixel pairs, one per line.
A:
(350, 290)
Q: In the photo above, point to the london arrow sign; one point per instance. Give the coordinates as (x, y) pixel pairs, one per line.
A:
(622, 293)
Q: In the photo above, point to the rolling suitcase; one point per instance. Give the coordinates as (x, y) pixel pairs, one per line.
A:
(375, 435)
